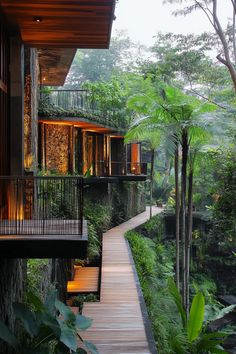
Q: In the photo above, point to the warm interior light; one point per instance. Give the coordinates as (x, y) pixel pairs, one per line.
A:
(38, 19)
(15, 205)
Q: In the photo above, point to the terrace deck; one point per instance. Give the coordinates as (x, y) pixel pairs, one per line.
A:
(85, 280)
(60, 239)
(120, 323)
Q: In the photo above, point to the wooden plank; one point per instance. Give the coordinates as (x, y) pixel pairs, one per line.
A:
(71, 24)
(85, 280)
(118, 325)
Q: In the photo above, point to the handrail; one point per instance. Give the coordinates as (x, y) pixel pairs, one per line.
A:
(64, 90)
(41, 205)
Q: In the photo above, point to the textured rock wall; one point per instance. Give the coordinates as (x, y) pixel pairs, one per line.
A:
(31, 68)
(57, 148)
(12, 284)
(126, 199)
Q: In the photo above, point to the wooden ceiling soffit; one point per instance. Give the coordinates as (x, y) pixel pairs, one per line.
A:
(54, 65)
(61, 23)
(79, 123)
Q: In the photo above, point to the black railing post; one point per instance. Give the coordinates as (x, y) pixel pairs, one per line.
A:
(81, 204)
(47, 205)
(16, 204)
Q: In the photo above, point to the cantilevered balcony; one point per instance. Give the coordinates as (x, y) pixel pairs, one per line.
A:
(78, 103)
(42, 217)
(129, 170)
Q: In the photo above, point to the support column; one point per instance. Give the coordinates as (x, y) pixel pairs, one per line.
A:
(16, 106)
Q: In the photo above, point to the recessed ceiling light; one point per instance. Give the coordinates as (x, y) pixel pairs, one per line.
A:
(38, 19)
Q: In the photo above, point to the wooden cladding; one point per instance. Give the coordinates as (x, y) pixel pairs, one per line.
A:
(4, 65)
(71, 24)
(3, 56)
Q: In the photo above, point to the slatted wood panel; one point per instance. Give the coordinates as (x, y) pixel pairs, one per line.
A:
(118, 326)
(64, 23)
(4, 66)
(85, 280)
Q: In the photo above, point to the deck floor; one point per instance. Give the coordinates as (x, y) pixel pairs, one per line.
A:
(118, 326)
(85, 280)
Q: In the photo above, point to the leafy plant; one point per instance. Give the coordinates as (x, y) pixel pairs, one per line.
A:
(78, 301)
(198, 340)
(51, 328)
(35, 274)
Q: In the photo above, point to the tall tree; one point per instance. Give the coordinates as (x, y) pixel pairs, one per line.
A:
(227, 54)
(173, 114)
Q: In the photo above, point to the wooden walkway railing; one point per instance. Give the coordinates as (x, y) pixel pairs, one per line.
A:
(118, 320)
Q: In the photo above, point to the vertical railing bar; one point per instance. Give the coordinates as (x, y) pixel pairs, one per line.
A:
(16, 231)
(43, 231)
(81, 205)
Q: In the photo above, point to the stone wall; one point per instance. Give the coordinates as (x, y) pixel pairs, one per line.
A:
(31, 68)
(56, 146)
(12, 286)
(128, 199)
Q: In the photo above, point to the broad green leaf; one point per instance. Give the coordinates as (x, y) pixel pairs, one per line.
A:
(225, 311)
(50, 301)
(196, 317)
(45, 319)
(91, 347)
(65, 311)
(68, 336)
(83, 322)
(178, 300)
(7, 336)
(27, 318)
(36, 301)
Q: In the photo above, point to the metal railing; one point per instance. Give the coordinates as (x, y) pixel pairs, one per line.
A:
(41, 205)
(136, 168)
(80, 102)
(129, 168)
(68, 99)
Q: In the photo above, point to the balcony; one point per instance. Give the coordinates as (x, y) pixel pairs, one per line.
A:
(128, 171)
(43, 216)
(136, 171)
(80, 104)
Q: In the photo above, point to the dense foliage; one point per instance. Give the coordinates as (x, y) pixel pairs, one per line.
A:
(50, 328)
(154, 260)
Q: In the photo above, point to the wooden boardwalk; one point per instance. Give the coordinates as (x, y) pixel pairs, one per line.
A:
(118, 325)
(85, 280)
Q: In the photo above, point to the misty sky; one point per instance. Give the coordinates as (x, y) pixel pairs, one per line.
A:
(144, 18)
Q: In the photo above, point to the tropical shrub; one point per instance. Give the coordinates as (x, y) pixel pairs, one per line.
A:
(173, 333)
(98, 216)
(36, 269)
(197, 339)
(224, 209)
(50, 328)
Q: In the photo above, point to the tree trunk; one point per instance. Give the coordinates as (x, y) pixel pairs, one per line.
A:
(183, 210)
(12, 285)
(151, 178)
(219, 30)
(60, 274)
(177, 212)
(189, 234)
